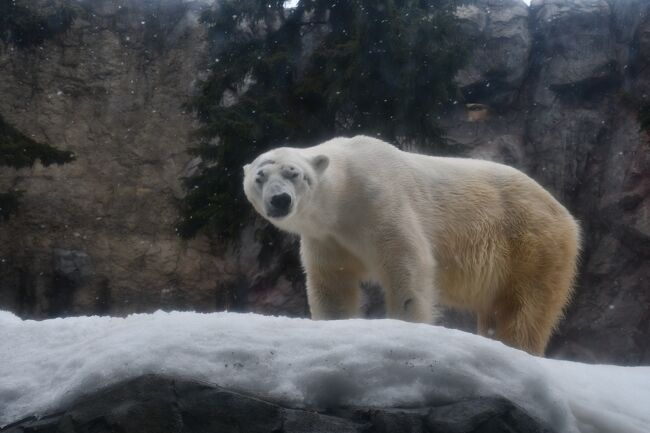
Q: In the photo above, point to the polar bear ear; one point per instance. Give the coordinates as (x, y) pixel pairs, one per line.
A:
(320, 163)
(246, 168)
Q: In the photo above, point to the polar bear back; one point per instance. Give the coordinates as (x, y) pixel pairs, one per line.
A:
(471, 190)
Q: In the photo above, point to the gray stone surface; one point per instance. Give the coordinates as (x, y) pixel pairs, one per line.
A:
(156, 404)
(72, 265)
(499, 34)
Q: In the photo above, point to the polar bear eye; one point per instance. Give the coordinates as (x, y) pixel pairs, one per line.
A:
(290, 172)
(260, 177)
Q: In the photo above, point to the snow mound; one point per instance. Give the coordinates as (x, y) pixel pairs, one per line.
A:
(303, 363)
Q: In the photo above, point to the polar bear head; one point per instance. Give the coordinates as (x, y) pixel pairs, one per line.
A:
(280, 183)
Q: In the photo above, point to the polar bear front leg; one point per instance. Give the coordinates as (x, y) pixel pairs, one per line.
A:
(333, 278)
(408, 281)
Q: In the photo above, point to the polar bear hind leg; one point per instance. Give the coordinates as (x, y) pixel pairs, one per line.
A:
(525, 314)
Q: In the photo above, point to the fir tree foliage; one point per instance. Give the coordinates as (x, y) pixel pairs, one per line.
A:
(381, 67)
(19, 151)
(641, 106)
(25, 27)
(644, 117)
(8, 203)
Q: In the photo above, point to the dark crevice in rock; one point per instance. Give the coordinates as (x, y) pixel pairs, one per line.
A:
(103, 299)
(591, 90)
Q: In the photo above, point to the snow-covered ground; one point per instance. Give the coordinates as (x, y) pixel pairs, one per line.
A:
(45, 364)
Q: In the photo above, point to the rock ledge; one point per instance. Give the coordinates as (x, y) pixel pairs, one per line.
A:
(153, 403)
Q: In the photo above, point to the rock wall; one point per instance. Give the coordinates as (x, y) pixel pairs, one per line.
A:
(96, 235)
(545, 90)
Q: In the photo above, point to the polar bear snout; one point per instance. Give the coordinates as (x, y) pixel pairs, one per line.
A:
(278, 196)
(277, 185)
(280, 205)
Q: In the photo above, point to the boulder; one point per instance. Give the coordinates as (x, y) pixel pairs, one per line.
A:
(167, 405)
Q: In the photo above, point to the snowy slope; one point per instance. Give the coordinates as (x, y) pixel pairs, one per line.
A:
(302, 363)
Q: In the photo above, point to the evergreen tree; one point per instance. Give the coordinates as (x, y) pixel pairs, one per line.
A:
(382, 67)
(24, 27)
(20, 151)
(643, 117)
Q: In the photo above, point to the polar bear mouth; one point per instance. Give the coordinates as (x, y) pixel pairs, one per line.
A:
(276, 215)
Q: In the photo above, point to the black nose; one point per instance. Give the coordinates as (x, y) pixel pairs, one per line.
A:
(281, 204)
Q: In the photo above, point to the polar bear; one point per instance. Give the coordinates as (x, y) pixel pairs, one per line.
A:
(470, 234)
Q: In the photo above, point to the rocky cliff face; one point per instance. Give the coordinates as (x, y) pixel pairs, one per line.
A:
(96, 236)
(547, 90)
